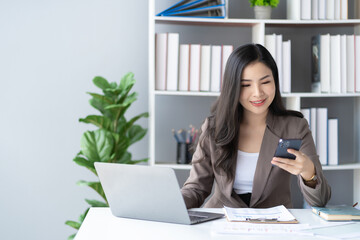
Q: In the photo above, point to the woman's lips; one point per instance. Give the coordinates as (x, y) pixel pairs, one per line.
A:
(258, 103)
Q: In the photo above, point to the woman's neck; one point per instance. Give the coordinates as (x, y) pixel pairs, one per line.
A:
(251, 119)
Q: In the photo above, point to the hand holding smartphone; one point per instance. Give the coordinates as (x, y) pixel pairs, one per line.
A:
(284, 145)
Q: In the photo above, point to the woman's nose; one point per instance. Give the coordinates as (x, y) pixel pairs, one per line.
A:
(258, 90)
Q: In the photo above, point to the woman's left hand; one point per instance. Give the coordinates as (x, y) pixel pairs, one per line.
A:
(301, 165)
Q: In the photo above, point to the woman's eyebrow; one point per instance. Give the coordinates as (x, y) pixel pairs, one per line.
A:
(247, 80)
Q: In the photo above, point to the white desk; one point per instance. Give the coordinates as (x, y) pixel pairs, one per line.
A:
(100, 224)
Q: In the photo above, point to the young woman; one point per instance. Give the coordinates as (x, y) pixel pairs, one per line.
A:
(238, 141)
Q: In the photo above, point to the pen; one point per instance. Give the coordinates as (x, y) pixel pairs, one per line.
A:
(355, 204)
(261, 219)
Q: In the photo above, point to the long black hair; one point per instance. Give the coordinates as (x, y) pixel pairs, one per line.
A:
(227, 112)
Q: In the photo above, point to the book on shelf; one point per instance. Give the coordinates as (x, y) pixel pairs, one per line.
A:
(313, 125)
(286, 67)
(197, 8)
(317, 9)
(350, 61)
(325, 63)
(337, 213)
(343, 64)
(279, 59)
(357, 63)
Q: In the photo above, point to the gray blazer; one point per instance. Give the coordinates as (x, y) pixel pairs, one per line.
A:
(271, 186)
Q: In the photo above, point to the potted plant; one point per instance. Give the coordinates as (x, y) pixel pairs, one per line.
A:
(262, 8)
(113, 136)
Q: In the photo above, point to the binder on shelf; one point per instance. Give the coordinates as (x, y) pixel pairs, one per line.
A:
(305, 9)
(287, 66)
(357, 63)
(335, 64)
(215, 68)
(160, 61)
(195, 53)
(322, 9)
(184, 62)
(321, 134)
(197, 8)
(344, 9)
(293, 10)
(325, 63)
(313, 125)
(337, 10)
(172, 61)
(350, 60)
(226, 50)
(279, 60)
(330, 9)
(315, 9)
(315, 64)
(343, 67)
(333, 142)
(205, 66)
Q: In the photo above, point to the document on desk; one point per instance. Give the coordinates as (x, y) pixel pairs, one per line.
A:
(278, 214)
(251, 228)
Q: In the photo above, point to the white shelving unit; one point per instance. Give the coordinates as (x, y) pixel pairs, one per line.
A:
(293, 100)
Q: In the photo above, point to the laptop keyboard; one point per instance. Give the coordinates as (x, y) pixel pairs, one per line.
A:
(196, 218)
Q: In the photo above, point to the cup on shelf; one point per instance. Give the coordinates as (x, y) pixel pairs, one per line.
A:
(184, 153)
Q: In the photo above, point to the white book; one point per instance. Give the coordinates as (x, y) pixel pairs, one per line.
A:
(357, 63)
(184, 62)
(337, 10)
(343, 67)
(322, 9)
(325, 63)
(293, 8)
(226, 50)
(305, 9)
(335, 64)
(350, 61)
(344, 9)
(321, 134)
(313, 123)
(160, 60)
(215, 68)
(333, 142)
(195, 53)
(330, 9)
(172, 62)
(205, 68)
(315, 9)
(279, 59)
(270, 44)
(287, 66)
(307, 116)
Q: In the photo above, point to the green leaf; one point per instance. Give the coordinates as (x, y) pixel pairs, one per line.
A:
(121, 146)
(71, 237)
(101, 82)
(125, 158)
(73, 224)
(139, 161)
(96, 203)
(99, 121)
(106, 100)
(85, 163)
(97, 146)
(134, 119)
(82, 216)
(127, 82)
(94, 185)
(136, 133)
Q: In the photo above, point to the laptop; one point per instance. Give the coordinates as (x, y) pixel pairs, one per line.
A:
(147, 193)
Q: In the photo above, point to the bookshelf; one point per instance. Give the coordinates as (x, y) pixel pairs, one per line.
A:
(179, 108)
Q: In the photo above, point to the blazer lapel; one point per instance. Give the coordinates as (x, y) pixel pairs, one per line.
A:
(264, 166)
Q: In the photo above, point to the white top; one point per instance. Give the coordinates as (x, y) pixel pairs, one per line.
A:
(245, 171)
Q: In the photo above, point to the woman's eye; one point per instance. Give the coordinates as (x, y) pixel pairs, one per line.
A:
(266, 82)
(245, 85)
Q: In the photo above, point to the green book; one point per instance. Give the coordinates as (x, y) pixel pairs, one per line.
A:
(337, 213)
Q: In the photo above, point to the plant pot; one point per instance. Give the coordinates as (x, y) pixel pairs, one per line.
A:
(262, 12)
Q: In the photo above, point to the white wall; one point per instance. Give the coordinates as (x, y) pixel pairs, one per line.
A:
(49, 52)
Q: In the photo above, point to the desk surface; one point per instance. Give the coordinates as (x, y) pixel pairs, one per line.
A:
(101, 224)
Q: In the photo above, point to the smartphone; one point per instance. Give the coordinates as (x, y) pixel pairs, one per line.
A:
(284, 144)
